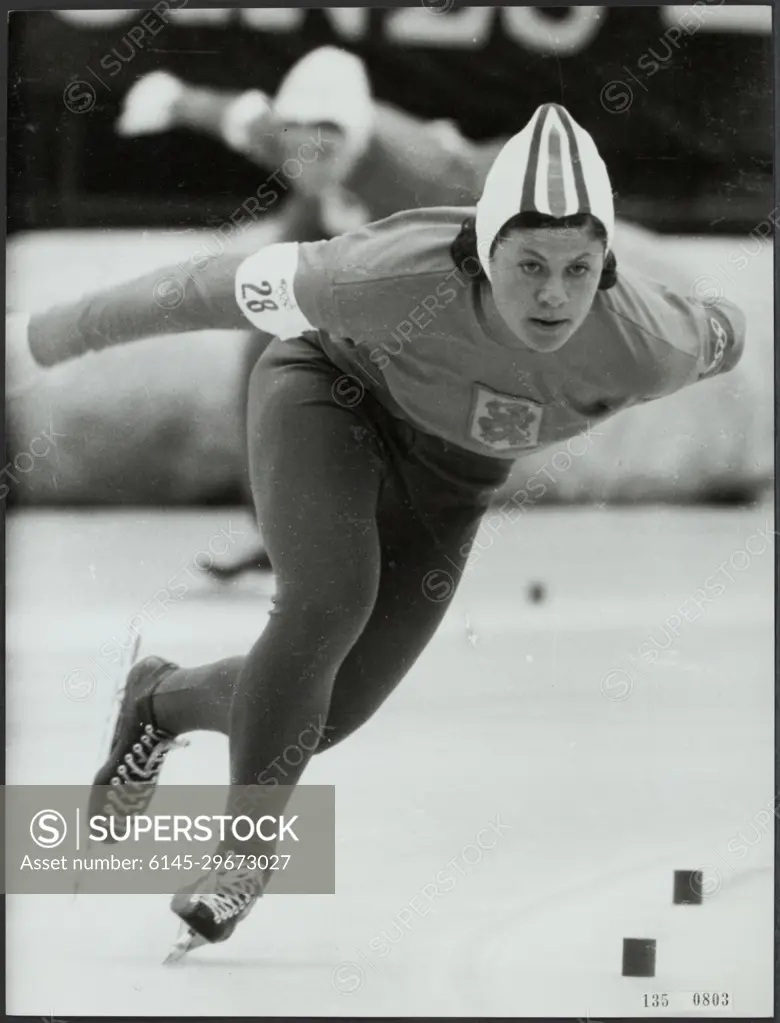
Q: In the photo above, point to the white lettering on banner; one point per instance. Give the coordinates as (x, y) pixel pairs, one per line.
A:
(96, 19)
(272, 19)
(204, 16)
(562, 36)
(207, 16)
(468, 27)
(349, 22)
(741, 18)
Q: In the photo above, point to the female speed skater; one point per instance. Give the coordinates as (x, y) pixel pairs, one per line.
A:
(374, 451)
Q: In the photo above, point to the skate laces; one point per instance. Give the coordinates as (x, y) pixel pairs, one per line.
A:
(135, 778)
(240, 889)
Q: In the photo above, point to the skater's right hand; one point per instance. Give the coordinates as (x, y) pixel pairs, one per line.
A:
(22, 372)
(149, 106)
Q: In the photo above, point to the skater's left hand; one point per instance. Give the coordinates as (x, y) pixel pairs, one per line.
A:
(22, 372)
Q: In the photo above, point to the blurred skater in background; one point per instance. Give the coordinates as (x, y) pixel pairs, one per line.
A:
(372, 159)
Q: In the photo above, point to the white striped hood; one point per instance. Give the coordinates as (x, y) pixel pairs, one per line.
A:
(552, 166)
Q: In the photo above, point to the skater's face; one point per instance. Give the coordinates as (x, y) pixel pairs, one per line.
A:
(314, 156)
(544, 281)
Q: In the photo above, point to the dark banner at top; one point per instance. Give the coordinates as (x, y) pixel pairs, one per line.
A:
(679, 99)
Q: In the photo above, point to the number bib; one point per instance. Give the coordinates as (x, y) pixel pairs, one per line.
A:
(265, 292)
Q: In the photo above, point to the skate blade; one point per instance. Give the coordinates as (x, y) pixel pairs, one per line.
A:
(132, 656)
(258, 561)
(186, 942)
(126, 664)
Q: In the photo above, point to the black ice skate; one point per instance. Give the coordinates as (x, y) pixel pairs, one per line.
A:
(138, 750)
(212, 908)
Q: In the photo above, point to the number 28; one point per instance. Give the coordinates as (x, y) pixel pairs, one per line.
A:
(258, 305)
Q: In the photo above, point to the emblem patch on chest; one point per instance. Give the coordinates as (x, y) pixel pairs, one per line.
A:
(504, 423)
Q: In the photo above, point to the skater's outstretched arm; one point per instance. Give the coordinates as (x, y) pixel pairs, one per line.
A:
(231, 292)
(244, 121)
(173, 300)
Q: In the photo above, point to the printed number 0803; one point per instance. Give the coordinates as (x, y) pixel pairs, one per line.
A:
(712, 998)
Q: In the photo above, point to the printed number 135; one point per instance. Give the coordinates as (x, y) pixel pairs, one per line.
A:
(656, 1001)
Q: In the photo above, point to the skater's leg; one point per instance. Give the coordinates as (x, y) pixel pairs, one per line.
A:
(315, 472)
(329, 584)
(316, 481)
(405, 615)
(257, 559)
(197, 699)
(402, 623)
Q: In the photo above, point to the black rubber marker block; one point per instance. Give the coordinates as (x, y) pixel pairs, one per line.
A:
(688, 888)
(638, 957)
